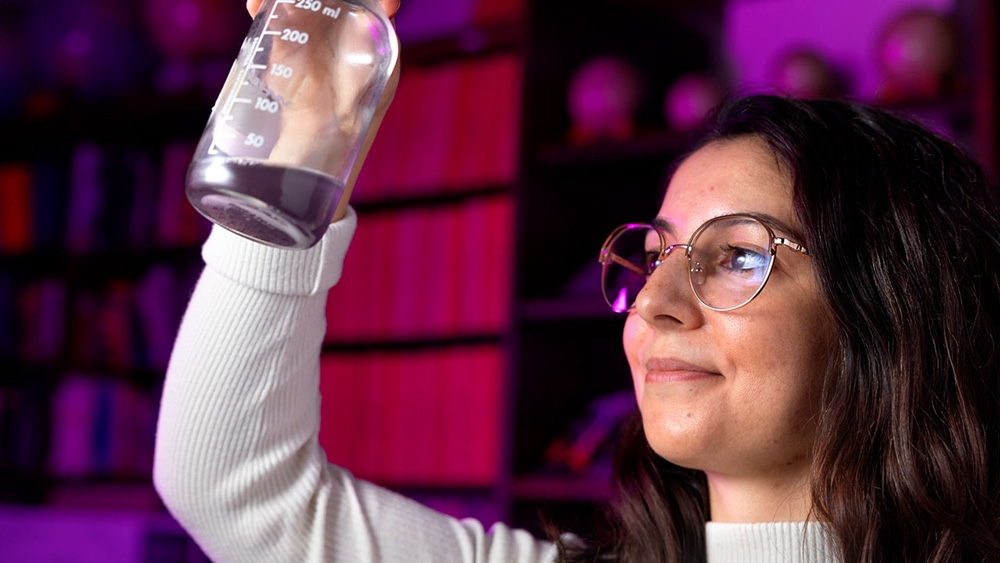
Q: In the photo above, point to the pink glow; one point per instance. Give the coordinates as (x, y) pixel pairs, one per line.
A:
(621, 302)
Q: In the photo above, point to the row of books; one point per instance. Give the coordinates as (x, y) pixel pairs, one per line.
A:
(415, 418)
(24, 408)
(119, 325)
(32, 319)
(450, 128)
(426, 273)
(101, 427)
(104, 198)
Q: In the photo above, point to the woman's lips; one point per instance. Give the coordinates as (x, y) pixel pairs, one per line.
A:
(664, 370)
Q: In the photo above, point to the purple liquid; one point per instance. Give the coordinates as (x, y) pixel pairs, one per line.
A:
(276, 205)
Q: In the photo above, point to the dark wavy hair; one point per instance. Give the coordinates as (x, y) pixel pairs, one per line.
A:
(904, 231)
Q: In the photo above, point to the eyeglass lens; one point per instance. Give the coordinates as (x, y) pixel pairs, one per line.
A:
(729, 262)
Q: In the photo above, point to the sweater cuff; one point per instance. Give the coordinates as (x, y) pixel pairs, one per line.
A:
(279, 270)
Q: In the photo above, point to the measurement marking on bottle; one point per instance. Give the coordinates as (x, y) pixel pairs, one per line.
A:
(242, 100)
(272, 33)
(316, 6)
(257, 66)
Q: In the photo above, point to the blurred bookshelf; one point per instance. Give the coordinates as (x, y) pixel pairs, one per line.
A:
(468, 321)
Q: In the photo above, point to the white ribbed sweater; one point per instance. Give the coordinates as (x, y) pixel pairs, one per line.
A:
(237, 457)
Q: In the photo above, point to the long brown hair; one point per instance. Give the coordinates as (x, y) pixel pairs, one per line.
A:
(904, 230)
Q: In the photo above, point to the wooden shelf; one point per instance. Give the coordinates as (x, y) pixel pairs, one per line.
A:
(403, 344)
(472, 41)
(131, 122)
(102, 263)
(647, 144)
(565, 309)
(562, 488)
(444, 195)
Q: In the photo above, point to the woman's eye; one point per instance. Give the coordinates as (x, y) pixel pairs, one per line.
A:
(740, 259)
(652, 260)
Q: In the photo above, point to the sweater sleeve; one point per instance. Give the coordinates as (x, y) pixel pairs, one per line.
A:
(238, 461)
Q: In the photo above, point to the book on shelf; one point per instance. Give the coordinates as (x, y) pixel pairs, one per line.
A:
(24, 407)
(428, 272)
(129, 199)
(178, 223)
(487, 129)
(15, 208)
(415, 418)
(159, 302)
(7, 316)
(41, 314)
(143, 215)
(49, 202)
(85, 195)
(451, 128)
(100, 427)
(127, 325)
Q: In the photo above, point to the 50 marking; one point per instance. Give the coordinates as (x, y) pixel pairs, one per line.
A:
(254, 140)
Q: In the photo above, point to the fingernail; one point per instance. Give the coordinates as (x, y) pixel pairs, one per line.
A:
(392, 6)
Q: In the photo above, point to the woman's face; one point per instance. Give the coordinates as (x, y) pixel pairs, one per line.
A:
(730, 393)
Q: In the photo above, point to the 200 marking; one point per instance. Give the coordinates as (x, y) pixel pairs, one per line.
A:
(294, 36)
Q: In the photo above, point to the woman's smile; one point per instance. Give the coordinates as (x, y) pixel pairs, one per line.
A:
(670, 370)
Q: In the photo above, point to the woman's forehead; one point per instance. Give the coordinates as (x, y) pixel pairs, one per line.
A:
(739, 175)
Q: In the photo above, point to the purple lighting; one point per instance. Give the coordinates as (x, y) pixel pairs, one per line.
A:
(187, 15)
(77, 43)
(621, 302)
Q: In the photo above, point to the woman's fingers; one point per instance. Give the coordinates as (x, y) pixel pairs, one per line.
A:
(390, 6)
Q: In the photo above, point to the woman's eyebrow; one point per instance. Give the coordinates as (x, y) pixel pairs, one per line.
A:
(779, 226)
(665, 226)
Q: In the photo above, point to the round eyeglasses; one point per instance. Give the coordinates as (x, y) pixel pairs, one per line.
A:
(729, 260)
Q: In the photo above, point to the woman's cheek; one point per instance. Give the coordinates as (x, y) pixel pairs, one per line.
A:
(632, 337)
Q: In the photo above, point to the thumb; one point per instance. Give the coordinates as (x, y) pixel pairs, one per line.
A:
(390, 7)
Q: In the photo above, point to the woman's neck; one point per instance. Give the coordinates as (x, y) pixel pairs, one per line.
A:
(765, 499)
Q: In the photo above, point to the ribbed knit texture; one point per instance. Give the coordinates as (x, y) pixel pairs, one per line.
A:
(238, 461)
(777, 542)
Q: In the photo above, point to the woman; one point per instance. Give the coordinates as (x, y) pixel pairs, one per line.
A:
(812, 350)
(896, 451)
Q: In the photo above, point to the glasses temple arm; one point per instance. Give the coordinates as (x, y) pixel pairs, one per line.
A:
(791, 244)
(624, 263)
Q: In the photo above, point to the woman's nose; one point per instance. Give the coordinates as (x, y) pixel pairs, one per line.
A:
(667, 295)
